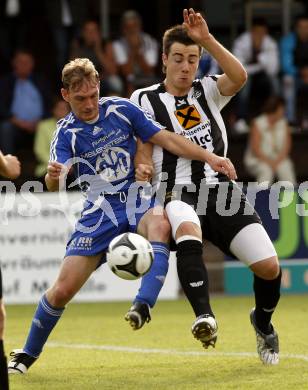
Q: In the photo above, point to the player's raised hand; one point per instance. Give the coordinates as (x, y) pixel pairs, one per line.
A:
(222, 165)
(196, 26)
(55, 170)
(144, 172)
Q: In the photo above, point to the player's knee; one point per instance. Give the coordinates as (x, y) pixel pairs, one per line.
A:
(267, 269)
(273, 270)
(159, 229)
(60, 295)
(188, 229)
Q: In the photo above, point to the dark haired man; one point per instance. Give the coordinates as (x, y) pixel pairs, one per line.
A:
(192, 108)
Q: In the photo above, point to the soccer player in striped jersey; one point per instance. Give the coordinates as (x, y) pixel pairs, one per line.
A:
(191, 107)
(98, 139)
(10, 168)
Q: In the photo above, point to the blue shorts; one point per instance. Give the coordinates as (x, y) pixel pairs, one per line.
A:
(100, 223)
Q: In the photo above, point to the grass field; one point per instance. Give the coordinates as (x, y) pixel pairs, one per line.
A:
(94, 348)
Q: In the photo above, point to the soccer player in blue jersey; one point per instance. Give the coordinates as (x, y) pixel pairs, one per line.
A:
(98, 139)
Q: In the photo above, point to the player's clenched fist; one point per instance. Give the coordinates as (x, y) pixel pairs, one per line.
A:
(144, 172)
(9, 166)
(55, 169)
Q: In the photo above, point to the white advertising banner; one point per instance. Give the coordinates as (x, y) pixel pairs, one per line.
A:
(34, 229)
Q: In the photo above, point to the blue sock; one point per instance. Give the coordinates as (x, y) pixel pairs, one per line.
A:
(44, 320)
(153, 281)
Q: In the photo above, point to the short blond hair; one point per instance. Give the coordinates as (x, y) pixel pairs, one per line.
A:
(77, 71)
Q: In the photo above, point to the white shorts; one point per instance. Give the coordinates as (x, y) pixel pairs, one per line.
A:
(179, 212)
(252, 244)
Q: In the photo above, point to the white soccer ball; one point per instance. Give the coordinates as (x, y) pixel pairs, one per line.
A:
(130, 256)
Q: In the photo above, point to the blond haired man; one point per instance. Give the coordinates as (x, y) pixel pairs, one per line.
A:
(98, 138)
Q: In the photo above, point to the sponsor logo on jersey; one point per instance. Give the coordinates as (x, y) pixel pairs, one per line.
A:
(200, 140)
(197, 94)
(181, 102)
(113, 164)
(97, 130)
(200, 135)
(104, 138)
(108, 145)
(188, 117)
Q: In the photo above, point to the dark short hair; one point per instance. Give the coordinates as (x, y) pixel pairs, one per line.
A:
(22, 50)
(177, 34)
(259, 21)
(300, 18)
(130, 14)
(273, 103)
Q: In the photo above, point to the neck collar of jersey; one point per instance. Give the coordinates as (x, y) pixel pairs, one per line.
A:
(162, 88)
(93, 120)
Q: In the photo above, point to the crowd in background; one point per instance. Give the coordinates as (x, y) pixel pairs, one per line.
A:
(30, 103)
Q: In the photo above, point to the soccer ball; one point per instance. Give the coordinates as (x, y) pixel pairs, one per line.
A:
(130, 256)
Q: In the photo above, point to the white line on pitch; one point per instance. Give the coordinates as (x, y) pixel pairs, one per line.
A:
(116, 348)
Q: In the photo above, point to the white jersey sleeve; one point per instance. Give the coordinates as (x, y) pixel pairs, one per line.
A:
(135, 96)
(211, 90)
(142, 101)
(60, 148)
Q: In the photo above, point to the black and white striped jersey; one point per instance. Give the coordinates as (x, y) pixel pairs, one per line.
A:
(197, 117)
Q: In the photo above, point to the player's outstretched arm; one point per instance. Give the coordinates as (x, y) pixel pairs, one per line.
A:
(235, 75)
(55, 170)
(143, 162)
(9, 166)
(182, 147)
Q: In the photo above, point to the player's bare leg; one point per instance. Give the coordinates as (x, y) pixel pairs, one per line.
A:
(74, 272)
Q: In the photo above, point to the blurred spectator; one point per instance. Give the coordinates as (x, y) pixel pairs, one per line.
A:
(259, 54)
(302, 99)
(44, 134)
(13, 27)
(24, 99)
(136, 53)
(65, 18)
(90, 45)
(294, 55)
(269, 147)
(207, 65)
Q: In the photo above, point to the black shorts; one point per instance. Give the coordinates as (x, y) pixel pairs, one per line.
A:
(209, 202)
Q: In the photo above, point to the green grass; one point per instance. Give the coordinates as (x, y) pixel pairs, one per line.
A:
(102, 324)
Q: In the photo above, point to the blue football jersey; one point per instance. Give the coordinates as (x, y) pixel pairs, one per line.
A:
(102, 153)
